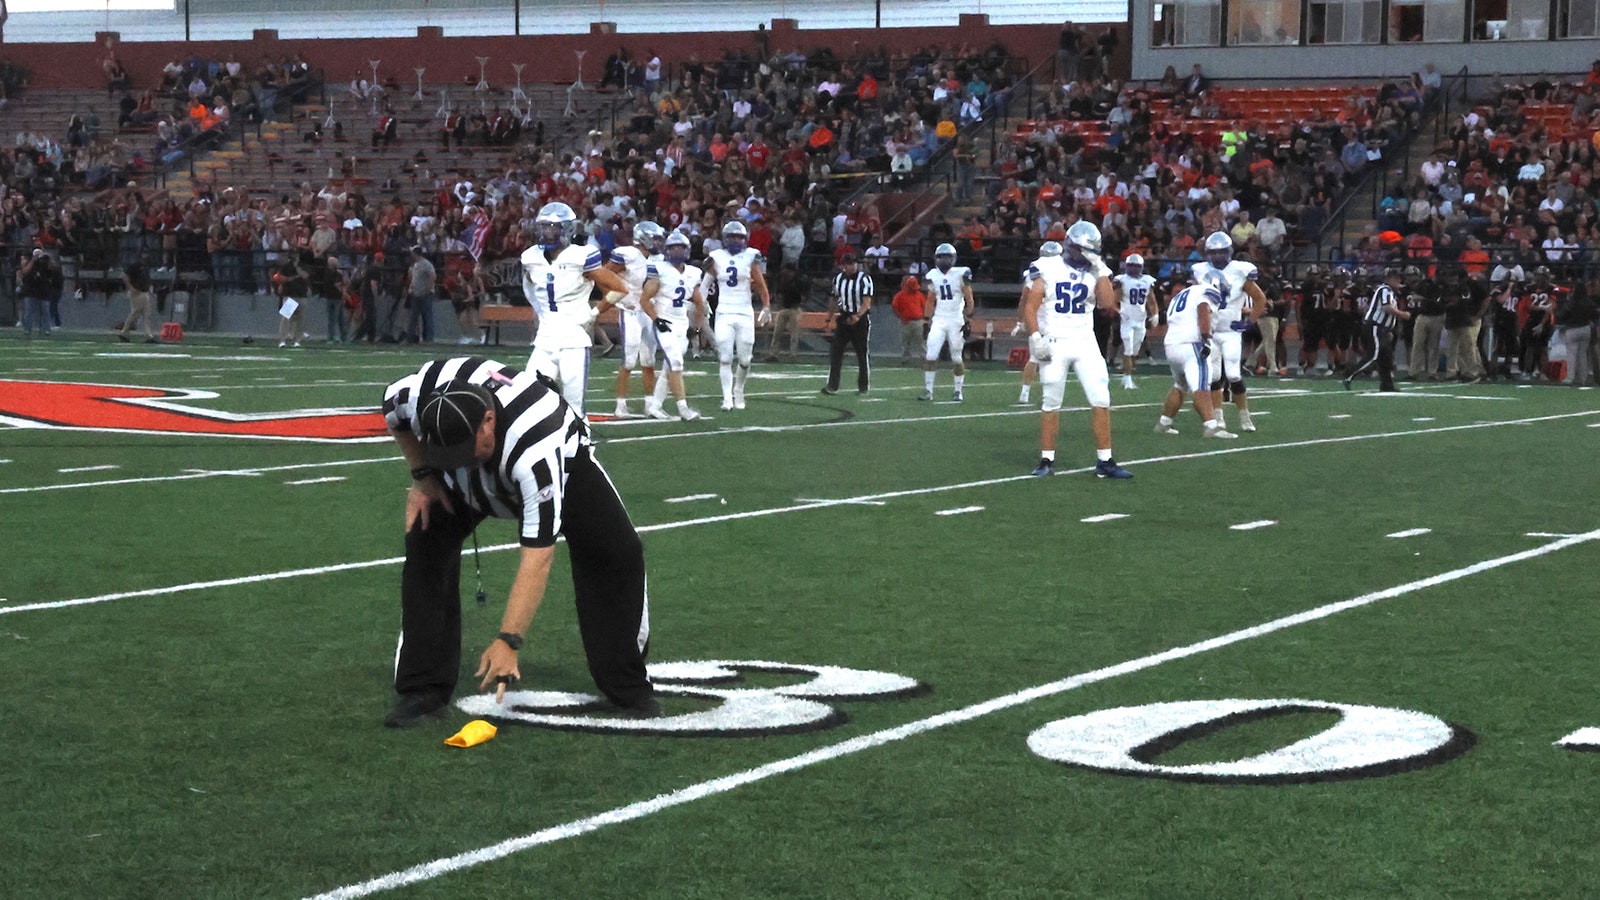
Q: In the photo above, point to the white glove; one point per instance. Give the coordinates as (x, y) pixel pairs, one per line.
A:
(764, 318)
(594, 313)
(1016, 329)
(1039, 346)
(1101, 270)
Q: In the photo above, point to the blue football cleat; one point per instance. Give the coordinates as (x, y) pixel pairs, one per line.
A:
(1108, 468)
(1045, 467)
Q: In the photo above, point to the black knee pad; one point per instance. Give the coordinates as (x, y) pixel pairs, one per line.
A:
(1238, 388)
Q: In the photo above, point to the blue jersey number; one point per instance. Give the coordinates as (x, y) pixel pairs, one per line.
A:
(945, 293)
(1222, 288)
(1136, 296)
(550, 290)
(1182, 301)
(677, 301)
(733, 276)
(1070, 297)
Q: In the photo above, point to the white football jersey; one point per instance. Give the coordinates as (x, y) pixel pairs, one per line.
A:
(1133, 293)
(674, 297)
(1230, 281)
(634, 272)
(1069, 298)
(732, 274)
(559, 294)
(949, 300)
(1183, 315)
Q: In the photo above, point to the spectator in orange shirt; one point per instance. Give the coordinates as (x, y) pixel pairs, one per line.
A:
(1475, 260)
(909, 305)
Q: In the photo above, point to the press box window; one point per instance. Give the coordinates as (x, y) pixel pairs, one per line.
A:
(1187, 23)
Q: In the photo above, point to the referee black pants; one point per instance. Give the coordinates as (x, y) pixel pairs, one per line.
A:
(845, 334)
(608, 581)
(1381, 354)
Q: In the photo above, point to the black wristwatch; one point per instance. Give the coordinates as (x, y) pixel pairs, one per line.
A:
(421, 472)
(514, 641)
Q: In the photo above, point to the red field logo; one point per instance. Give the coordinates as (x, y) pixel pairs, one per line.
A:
(102, 407)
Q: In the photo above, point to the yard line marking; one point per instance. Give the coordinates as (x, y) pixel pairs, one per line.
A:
(1252, 526)
(323, 480)
(192, 474)
(1595, 425)
(958, 510)
(689, 498)
(1548, 534)
(725, 784)
(1410, 532)
(1423, 419)
(104, 468)
(799, 506)
(1107, 517)
(1340, 416)
(848, 501)
(4, 461)
(1426, 394)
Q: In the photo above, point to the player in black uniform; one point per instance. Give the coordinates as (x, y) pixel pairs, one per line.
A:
(1315, 303)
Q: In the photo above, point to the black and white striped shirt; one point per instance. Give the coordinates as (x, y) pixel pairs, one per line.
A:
(853, 291)
(1378, 311)
(536, 433)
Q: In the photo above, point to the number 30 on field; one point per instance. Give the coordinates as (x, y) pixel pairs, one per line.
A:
(1366, 741)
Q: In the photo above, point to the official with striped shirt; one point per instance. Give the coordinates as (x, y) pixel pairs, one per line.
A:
(848, 305)
(1382, 318)
(483, 439)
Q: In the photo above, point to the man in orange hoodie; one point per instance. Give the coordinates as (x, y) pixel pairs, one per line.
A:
(908, 305)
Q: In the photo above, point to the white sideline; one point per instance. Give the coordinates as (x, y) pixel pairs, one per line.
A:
(578, 827)
(798, 506)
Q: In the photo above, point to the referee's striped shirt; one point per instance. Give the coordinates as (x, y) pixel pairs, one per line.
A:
(537, 432)
(853, 291)
(1378, 312)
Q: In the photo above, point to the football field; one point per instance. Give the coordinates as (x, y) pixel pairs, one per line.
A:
(1352, 654)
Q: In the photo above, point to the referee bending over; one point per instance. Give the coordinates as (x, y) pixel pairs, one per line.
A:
(483, 439)
(1383, 316)
(848, 303)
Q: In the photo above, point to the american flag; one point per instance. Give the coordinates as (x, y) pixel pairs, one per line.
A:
(477, 233)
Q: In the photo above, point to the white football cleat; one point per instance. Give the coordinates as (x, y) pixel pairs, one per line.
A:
(1245, 423)
(622, 410)
(688, 415)
(1220, 433)
(1165, 429)
(738, 401)
(727, 406)
(654, 411)
(1127, 382)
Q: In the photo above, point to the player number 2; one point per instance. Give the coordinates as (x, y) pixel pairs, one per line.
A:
(677, 300)
(1070, 297)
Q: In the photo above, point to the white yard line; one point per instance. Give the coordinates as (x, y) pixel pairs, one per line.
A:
(799, 506)
(196, 474)
(690, 498)
(1410, 532)
(105, 468)
(1107, 517)
(727, 783)
(324, 480)
(1252, 526)
(959, 510)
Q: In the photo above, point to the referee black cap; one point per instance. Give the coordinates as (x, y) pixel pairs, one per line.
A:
(448, 420)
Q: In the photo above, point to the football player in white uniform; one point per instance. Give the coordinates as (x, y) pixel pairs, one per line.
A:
(672, 289)
(1136, 292)
(1030, 370)
(1059, 315)
(737, 270)
(950, 295)
(1242, 303)
(1190, 319)
(557, 277)
(635, 322)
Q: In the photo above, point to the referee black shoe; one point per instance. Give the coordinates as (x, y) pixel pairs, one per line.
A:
(648, 708)
(415, 709)
(830, 391)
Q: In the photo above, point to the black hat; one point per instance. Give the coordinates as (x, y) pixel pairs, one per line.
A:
(448, 422)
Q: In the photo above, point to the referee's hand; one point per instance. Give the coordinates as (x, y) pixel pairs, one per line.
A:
(498, 666)
(422, 495)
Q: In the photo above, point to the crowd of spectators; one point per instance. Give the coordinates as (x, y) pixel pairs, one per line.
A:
(1172, 169)
(767, 140)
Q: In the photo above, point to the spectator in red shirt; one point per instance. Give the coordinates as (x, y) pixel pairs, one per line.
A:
(910, 307)
(758, 155)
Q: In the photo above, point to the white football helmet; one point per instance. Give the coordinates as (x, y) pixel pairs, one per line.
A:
(648, 237)
(944, 256)
(1219, 249)
(555, 226)
(676, 248)
(1083, 239)
(735, 237)
(1133, 265)
(1049, 248)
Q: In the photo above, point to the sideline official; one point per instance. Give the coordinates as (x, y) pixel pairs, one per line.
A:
(848, 305)
(483, 439)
